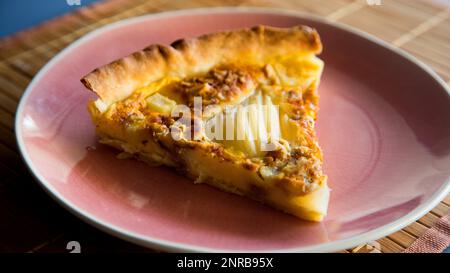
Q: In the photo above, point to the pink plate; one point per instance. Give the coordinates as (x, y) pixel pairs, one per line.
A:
(384, 126)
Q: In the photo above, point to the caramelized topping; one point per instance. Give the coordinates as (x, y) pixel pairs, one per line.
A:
(220, 85)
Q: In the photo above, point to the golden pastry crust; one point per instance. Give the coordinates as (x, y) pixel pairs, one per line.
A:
(187, 57)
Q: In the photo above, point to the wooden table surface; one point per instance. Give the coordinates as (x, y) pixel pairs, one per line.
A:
(33, 222)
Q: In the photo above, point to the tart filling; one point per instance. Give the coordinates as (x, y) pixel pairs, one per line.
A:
(235, 110)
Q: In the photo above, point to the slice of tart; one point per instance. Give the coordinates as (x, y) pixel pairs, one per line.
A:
(235, 110)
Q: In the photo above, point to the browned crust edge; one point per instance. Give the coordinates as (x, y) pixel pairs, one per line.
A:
(185, 57)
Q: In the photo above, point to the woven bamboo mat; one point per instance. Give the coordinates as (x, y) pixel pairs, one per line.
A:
(34, 223)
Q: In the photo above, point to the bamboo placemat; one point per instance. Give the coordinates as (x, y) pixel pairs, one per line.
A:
(32, 222)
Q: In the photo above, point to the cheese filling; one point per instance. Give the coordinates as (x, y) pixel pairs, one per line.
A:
(265, 114)
(235, 110)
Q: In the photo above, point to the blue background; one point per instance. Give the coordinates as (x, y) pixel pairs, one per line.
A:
(16, 15)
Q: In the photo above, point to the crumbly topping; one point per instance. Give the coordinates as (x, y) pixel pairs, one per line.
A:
(218, 86)
(299, 161)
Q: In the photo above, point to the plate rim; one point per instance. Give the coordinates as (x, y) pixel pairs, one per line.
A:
(167, 245)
